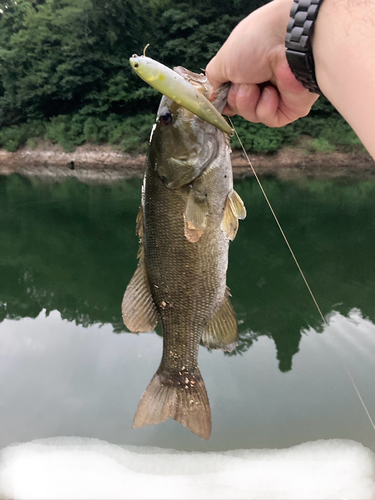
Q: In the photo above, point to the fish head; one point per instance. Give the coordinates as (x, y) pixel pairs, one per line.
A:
(183, 145)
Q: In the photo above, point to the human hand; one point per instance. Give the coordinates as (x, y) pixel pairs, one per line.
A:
(253, 58)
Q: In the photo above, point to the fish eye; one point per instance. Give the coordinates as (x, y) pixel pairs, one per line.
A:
(136, 65)
(166, 119)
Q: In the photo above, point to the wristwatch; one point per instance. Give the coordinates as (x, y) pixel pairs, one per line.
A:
(298, 42)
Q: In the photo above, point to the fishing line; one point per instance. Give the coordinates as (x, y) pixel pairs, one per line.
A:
(301, 272)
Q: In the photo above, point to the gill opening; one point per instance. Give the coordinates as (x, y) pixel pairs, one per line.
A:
(303, 276)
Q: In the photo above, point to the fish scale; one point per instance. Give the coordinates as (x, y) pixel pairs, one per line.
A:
(177, 270)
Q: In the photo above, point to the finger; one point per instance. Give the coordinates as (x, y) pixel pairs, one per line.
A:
(287, 103)
(243, 100)
(267, 110)
(295, 99)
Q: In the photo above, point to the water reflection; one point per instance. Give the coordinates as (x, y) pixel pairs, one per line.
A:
(71, 247)
(62, 379)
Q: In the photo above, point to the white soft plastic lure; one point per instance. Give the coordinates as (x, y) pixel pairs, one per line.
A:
(176, 87)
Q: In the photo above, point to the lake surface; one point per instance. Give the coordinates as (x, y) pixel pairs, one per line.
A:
(68, 367)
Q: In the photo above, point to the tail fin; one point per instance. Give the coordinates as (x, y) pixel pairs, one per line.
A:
(180, 395)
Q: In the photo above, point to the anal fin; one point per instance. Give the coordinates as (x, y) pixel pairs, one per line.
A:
(221, 332)
(234, 209)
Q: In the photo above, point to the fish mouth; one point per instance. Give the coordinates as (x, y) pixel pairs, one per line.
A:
(199, 81)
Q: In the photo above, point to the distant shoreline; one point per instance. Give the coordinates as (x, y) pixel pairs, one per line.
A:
(103, 163)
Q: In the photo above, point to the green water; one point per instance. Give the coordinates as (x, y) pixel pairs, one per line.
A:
(67, 252)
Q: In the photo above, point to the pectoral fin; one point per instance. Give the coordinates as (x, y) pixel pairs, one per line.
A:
(138, 308)
(221, 332)
(195, 215)
(234, 209)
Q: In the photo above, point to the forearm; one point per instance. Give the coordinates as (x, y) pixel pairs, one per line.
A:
(344, 54)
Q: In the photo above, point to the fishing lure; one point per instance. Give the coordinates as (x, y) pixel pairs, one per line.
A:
(176, 87)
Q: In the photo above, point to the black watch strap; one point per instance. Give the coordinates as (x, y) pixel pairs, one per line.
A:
(298, 42)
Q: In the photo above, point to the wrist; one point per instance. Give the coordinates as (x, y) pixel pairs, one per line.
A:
(328, 46)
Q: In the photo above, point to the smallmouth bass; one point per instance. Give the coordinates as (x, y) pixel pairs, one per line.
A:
(188, 215)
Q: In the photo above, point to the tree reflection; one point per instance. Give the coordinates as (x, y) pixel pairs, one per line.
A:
(72, 247)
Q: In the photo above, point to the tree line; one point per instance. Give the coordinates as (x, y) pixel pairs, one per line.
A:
(65, 75)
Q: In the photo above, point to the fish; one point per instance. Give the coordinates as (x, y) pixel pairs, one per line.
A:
(189, 213)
